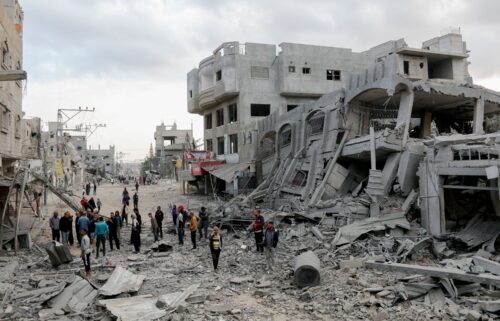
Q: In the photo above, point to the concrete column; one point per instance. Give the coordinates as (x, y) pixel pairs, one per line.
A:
(373, 157)
(426, 124)
(478, 116)
(404, 112)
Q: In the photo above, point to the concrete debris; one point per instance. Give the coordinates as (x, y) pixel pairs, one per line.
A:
(307, 269)
(122, 281)
(75, 298)
(59, 253)
(137, 308)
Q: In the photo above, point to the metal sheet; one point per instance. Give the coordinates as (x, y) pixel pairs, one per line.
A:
(226, 172)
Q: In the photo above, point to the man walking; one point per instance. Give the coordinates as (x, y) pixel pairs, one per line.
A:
(112, 232)
(271, 237)
(65, 227)
(193, 226)
(174, 217)
(100, 234)
(135, 236)
(86, 251)
(215, 247)
(54, 226)
(136, 185)
(118, 224)
(258, 229)
(154, 226)
(180, 228)
(135, 198)
(159, 219)
(203, 222)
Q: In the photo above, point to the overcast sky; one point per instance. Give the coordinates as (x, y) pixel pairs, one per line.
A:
(129, 58)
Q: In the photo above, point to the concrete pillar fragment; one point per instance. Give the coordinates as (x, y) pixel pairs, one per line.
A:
(307, 269)
(478, 119)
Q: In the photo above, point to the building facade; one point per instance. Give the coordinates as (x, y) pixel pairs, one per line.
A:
(11, 58)
(101, 161)
(170, 145)
(240, 84)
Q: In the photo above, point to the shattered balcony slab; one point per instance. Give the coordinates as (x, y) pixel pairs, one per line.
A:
(386, 142)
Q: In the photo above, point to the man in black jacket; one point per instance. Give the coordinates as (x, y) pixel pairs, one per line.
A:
(159, 219)
(271, 236)
(65, 227)
(203, 228)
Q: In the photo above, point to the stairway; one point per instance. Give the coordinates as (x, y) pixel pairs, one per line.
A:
(375, 185)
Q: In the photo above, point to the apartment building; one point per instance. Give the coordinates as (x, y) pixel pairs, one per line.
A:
(170, 144)
(101, 161)
(11, 60)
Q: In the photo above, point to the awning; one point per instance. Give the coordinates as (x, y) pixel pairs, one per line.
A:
(226, 172)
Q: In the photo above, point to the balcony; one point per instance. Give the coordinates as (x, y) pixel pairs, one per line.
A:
(216, 94)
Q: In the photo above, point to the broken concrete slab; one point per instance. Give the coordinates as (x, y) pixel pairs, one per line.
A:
(444, 273)
(59, 253)
(173, 300)
(315, 230)
(122, 281)
(74, 298)
(487, 265)
(136, 308)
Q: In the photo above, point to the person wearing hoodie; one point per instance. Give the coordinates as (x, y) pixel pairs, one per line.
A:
(101, 233)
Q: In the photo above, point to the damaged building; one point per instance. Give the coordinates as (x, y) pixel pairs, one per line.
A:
(410, 122)
(170, 145)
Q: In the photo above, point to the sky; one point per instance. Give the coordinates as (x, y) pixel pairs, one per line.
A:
(128, 59)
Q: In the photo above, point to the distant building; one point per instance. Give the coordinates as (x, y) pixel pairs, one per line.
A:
(101, 161)
(170, 144)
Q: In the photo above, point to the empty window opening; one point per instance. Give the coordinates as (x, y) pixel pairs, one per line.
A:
(290, 107)
(220, 117)
(316, 123)
(233, 144)
(249, 137)
(300, 178)
(220, 145)
(306, 70)
(209, 145)
(285, 138)
(233, 113)
(332, 74)
(190, 94)
(406, 67)
(291, 68)
(218, 75)
(208, 121)
(260, 110)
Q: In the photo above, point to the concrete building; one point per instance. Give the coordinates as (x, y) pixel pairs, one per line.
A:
(101, 161)
(239, 84)
(170, 145)
(11, 60)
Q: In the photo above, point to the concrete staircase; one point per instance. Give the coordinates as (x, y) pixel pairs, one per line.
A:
(375, 185)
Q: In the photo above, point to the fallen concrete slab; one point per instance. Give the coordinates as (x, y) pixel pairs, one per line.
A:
(136, 308)
(444, 273)
(173, 300)
(74, 298)
(122, 281)
(487, 265)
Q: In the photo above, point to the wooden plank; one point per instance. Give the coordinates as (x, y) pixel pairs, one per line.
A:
(487, 265)
(446, 273)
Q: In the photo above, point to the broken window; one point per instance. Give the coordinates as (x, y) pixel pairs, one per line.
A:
(259, 72)
(306, 70)
(285, 138)
(300, 178)
(233, 113)
(291, 68)
(290, 107)
(406, 67)
(220, 145)
(316, 123)
(332, 74)
(260, 110)
(208, 121)
(233, 144)
(220, 117)
(268, 144)
(218, 75)
(209, 145)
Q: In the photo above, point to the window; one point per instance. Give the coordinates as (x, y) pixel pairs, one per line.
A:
(260, 110)
(218, 75)
(300, 178)
(220, 117)
(306, 70)
(291, 68)
(220, 145)
(208, 121)
(233, 113)
(290, 107)
(209, 145)
(190, 94)
(406, 67)
(332, 74)
(233, 144)
(285, 137)
(259, 72)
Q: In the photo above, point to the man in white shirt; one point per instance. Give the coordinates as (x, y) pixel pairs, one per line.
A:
(86, 251)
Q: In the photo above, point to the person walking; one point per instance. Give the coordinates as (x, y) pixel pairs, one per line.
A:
(91, 204)
(173, 211)
(215, 247)
(125, 215)
(135, 198)
(271, 237)
(159, 219)
(154, 226)
(203, 228)
(101, 233)
(118, 223)
(136, 234)
(180, 228)
(258, 229)
(193, 226)
(86, 251)
(54, 226)
(87, 189)
(71, 239)
(99, 205)
(138, 216)
(95, 188)
(65, 227)
(83, 202)
(112, 232)
(136, 185)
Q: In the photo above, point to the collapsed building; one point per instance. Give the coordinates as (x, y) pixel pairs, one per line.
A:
(411, 121)
(170, 145)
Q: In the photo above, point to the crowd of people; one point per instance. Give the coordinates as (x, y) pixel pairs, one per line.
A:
(92, 228)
